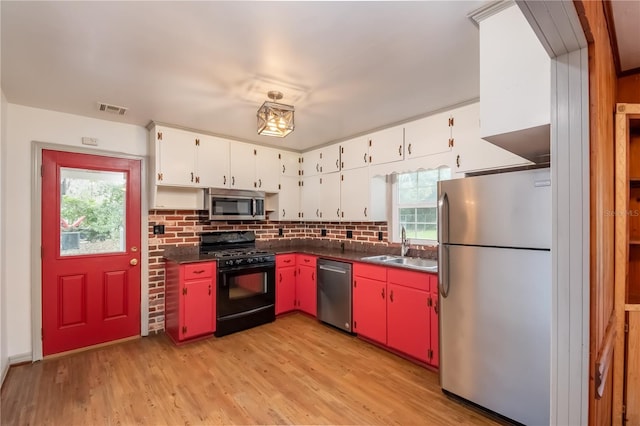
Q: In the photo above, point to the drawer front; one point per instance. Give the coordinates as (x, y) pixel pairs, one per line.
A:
(372, 272)
(417, 280)
(284, 260)
(433, 280)
(199, 270)
(306, 260)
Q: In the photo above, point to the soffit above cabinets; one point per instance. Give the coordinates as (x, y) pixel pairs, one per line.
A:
(348, 67)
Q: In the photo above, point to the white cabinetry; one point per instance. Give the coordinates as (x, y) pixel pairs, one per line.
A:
(175, 155)
(310, 198)
(329, 207)
(330, 161)
(267, 167)
(288, 200)
(386, 145)
(243, 170)
(354, 153)
(471, 153)
(515, 84)
(289, 163)
(212, 162)
(311, 162)
(429, 135)
(362, 198)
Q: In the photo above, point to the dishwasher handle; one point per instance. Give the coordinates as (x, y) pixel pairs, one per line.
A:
(329, 268)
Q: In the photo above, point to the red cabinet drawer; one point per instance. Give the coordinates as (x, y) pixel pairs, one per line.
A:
(306, 260)
(284, 260)
(199, 270)
(372, 272)
(417, 280)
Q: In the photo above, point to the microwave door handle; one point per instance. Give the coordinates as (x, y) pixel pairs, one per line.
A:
(254, 207)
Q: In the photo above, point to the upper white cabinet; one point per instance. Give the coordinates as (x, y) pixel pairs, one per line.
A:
(311, 163)
(515, 84)
(329, 208)
(290, 163)
(267, 166)
(243, 169)
(472, 153)
(175, 155)
(212, 161)
(330, 161)
(386, 145)
(429, 135)
(362, 198)
(310, 198)
(354, 153)
(287, 200)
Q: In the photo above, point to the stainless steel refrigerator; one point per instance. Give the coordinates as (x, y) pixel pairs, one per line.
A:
(494, 268)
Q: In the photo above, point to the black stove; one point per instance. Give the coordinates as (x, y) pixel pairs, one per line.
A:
(245, 280)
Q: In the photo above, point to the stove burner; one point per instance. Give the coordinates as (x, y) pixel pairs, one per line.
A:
(238, 253)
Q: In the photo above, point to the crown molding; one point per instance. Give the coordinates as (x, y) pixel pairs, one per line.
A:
(488, 10)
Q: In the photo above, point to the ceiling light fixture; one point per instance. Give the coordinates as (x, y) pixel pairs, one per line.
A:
(275, 119)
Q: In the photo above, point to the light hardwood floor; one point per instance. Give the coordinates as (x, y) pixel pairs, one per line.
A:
(292, 371)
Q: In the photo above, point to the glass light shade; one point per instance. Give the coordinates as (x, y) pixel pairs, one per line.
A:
(275, 119)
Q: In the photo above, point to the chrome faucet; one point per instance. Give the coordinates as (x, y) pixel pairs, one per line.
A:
(405, 245)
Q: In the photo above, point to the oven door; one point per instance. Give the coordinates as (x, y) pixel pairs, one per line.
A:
(245, 288)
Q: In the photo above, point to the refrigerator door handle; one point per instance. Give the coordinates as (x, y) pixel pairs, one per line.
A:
(443, 248)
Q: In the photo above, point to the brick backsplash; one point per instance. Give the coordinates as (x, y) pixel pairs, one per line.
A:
(182, 228)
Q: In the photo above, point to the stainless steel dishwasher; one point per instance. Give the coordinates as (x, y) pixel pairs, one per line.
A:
(334, 293)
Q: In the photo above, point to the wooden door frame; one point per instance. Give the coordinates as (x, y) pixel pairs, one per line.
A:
(36, 237)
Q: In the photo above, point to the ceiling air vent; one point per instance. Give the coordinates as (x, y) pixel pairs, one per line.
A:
(114, 109)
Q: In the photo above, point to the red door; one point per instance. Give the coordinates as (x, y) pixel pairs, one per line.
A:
(370, 309)
(285, 289)
(90, 250)
(408, 321)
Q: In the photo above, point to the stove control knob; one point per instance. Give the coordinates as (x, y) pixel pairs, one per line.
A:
(250, 260)
(238, 261)
(229, 262)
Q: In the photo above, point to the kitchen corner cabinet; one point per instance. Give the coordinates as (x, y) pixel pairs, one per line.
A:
(386, 146)
(306, 287)
(286, 272)
(515, 75)
(288, 204)
(290, 164)
(370, 302)
(190, 300)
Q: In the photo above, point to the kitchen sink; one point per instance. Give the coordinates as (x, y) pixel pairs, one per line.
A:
(410, 262)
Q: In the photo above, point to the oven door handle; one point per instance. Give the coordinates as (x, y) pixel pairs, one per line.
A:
(268, 267)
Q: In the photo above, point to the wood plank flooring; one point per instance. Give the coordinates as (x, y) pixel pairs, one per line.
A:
(292, 371)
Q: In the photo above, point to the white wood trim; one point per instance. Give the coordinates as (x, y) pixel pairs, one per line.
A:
(570, 243)
(36, 232)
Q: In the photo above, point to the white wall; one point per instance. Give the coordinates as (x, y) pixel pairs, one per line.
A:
(4, 357)
(25, 125)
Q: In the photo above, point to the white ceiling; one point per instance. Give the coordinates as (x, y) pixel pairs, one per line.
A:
(353, 66)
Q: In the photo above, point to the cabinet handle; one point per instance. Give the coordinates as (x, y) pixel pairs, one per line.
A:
(436, 306)
(200, 271)
(313, 276)
(391, 296)
(458, 161)
(317, 212)
(409, 149)
(383, 293)
(209, 289)
(191, 176)
(233, 180)
(259, 183)
(280, 278)
(224, 179)
(337, 164)
(287, 261)
(307, 260)
(283, 169)
(338, 212)
(283, 213)
(365, 157)
(400, 150)
(317, 167)
(365, 212)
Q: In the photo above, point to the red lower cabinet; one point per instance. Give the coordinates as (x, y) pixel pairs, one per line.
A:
(408, 321)
(285, 283)
(306, 288)
(370, 302)
(433, 320)
(190, 300)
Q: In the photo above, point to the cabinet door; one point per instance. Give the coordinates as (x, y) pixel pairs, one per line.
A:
(386, 146)
(243, 166)
(288, 199)
(370, 309)
(267, 169)
(310, 198)
(212, 162)
(473, 153)
(330, 197)
(311, 163)
(198, 300)
(330, 161)
(434, 335)
(354, 195)
(290, 163)
(427, 136)
(408, 321)
(175, 157)
(354, 153)
(285, 289)
(306, 289)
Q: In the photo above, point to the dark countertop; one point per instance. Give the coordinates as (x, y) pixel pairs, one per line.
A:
(191, 255)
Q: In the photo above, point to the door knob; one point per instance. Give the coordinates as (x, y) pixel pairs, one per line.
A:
(133, 262)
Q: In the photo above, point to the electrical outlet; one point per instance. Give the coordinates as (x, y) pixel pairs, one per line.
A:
(323, 232)
(379, 235)
(280, 232)
(158, 229)
(349, 234)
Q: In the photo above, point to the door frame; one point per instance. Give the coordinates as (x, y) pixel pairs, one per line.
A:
(36, 237)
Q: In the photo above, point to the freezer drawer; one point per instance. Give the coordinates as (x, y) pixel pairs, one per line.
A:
(334, 293)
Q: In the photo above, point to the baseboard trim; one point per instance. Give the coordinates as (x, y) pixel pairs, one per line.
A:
(15, 360)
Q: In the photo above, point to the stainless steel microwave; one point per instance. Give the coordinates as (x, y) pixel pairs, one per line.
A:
(230, 204)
